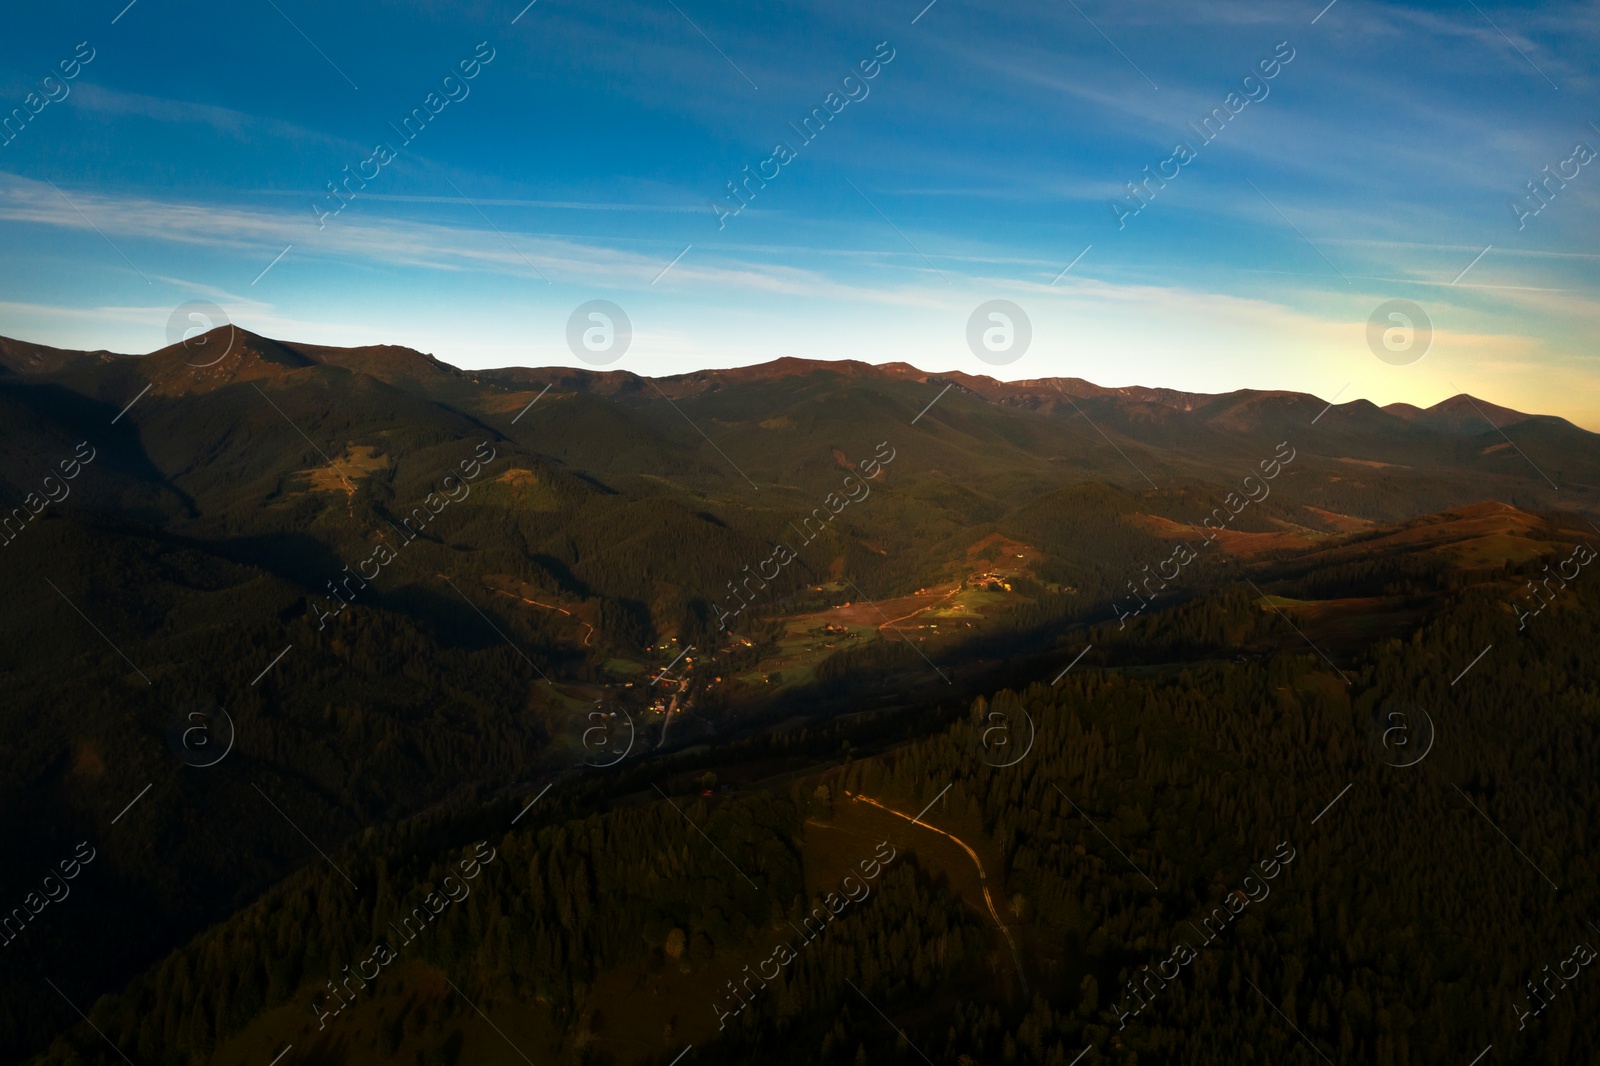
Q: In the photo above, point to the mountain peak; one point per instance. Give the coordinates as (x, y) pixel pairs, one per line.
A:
(1463, 413)
(219, 357)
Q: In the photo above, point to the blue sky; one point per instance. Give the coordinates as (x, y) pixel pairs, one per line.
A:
(979, 162)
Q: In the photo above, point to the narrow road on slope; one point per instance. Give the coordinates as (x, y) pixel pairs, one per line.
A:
(553, 607)
(983, 877)
(919, 610)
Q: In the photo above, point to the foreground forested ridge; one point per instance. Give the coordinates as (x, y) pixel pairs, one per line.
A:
(1396, 918)
(1248, 715)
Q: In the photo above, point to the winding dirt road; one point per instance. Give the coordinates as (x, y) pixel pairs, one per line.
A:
(983, 876)
(552, 607)
(925, 607)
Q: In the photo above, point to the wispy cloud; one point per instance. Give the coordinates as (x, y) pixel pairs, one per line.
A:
(564, 205)
(428, 245)
(118, 104)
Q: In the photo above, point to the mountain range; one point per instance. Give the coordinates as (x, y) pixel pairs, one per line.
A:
(268, 529)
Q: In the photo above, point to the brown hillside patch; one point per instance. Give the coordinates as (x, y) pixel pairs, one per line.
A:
(996, 552)
(1478, 536)
(519, 401)
(1373, 463)
(86, 762)
(1339, 523)
(359, 461)
(1231, 541)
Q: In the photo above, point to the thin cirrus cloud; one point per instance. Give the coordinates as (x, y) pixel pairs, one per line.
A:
(113, 104)
(559, 205)
(377, 240)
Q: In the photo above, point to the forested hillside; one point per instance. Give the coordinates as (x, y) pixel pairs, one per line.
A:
(1254, 813)
(1287, 718)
